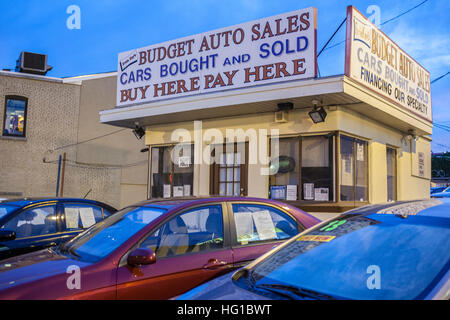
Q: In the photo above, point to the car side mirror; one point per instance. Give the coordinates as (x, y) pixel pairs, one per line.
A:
(7, 235)
(141, 256)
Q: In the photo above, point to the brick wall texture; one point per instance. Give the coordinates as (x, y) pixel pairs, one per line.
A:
(30, 166)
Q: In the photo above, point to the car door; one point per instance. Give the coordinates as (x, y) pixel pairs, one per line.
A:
(78, 216)
(256, 228)
(36, 227)
(191, 248)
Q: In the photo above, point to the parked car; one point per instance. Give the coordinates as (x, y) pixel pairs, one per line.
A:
(32, 224)
(154, 250)
(437, 189)
(441, 194)
(395, 251)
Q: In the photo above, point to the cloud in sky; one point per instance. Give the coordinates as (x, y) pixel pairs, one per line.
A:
(113, 26)
(429, 49)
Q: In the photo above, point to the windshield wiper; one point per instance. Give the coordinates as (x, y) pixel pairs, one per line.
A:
(64, 248)
(292, 292)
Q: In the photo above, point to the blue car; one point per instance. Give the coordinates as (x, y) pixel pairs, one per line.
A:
(397, 251)
(32, 224)
(438, 193)
(437, 189)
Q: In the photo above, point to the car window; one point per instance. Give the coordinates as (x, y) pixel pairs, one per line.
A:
(5, 209)
(403, 250)
(196, 230)
(256, 223)
(104, 237)
(33, 222)
(81, 216)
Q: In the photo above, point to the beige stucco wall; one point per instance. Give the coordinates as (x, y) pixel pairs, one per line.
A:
(338, 118)
(119, 152)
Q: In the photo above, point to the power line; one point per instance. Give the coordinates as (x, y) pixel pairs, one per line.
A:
(98, 137)
(445, 128)
(439, 78)
(401, 14)
(73, 163)
(332, 36)
(383, 23)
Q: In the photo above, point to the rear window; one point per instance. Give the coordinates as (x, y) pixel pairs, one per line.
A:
(357, 257)
(6, 209)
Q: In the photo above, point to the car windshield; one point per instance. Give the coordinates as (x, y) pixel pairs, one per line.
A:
(379, 256)
(103, 238)
(6, 209)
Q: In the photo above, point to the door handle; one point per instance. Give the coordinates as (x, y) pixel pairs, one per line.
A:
(213, 264)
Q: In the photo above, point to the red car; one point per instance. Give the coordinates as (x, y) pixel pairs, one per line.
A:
(154, 250)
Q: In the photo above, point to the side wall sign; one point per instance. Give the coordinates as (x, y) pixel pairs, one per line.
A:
(269, 50)
(375, 61)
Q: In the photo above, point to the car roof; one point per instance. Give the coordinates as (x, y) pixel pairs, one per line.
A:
(436, 207)
(20, 202)
(170, 203)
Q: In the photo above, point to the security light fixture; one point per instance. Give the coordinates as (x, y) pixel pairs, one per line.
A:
(318, 114)
(139, 132)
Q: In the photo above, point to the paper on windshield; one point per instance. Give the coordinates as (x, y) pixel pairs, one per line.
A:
(244, 224)
(264, 225)
(71, 218)
(87, 217)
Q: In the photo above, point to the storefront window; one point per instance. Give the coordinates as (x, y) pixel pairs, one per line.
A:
(172, 171)
(229, 171)
(303, 170)
(15, 116)
(391, 156)
(317, 168)
(285, 171)
(353, 173)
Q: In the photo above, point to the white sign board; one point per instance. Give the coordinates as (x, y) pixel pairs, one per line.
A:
(375, 61)
(421, 157)
(269, 50)
(308, 191)
(321, 194)
(291, 192)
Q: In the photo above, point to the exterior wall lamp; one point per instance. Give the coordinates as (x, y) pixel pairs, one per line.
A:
(318, 114)
(139, 132)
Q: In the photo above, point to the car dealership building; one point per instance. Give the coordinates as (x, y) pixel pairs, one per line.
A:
(241, 111)
(235, 111)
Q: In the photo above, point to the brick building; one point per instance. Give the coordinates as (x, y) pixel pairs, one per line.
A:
(57, 116)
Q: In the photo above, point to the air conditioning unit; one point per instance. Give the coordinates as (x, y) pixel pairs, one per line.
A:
(33, 63)
(281, 117)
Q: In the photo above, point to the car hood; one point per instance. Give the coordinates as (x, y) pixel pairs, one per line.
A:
(222, 288)
(34, 266)
(440, 195)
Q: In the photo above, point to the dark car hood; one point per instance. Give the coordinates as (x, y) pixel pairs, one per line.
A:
(34, 266)
(221, 288)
